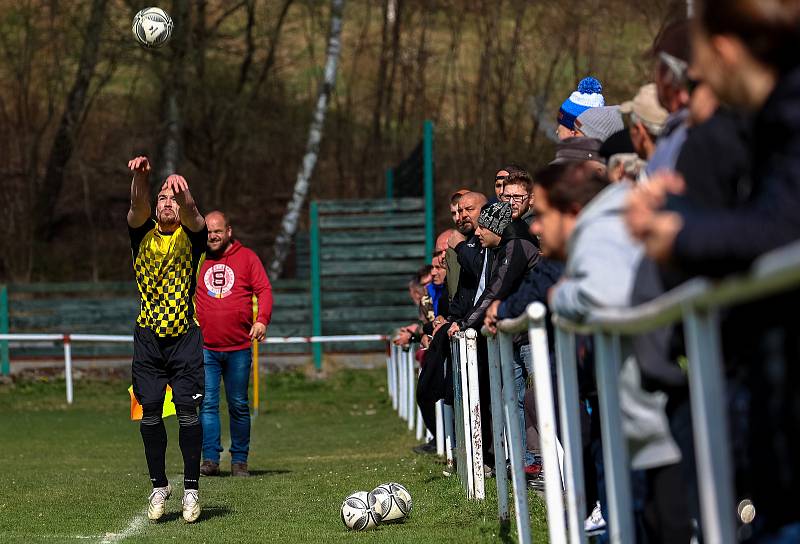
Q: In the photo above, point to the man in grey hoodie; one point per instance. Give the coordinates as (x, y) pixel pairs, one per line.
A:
(579, 219)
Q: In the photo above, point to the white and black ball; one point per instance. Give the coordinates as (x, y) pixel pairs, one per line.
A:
(392, 501)
(358, 512)
(152, 27)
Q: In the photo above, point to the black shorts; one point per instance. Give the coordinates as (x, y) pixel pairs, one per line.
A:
(177, 361)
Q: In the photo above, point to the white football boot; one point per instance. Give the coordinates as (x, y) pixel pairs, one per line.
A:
(156, 502)
(191, 505)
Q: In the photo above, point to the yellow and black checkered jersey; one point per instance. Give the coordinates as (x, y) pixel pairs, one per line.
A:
(166, 274)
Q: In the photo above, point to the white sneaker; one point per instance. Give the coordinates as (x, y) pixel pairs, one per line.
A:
(594, 524)
(156, 502)
(191, 505)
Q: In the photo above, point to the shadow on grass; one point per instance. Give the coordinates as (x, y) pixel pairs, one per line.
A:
(270, 472)
(208, 512)
(504, 534)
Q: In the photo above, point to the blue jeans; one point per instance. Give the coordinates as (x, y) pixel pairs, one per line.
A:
(234, 368)
(521, 362)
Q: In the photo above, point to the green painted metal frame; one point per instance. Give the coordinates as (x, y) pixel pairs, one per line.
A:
(5, 363)
(389, 183)
(430, 217)
(316, 286)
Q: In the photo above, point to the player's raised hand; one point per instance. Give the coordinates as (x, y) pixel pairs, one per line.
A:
(179, 187)
(140, 165)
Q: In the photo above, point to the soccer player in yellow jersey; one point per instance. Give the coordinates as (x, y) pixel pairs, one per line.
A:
(167, 346)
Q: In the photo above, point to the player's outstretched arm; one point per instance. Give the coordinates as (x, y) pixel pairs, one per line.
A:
(190, 215)
(140, 187)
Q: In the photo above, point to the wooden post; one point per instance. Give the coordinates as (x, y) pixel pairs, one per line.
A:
(5, 366)
(430, 218)
(316, 287)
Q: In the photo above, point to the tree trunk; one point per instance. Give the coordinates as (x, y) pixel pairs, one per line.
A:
(174, 91)
(283, 240)
(64, 141)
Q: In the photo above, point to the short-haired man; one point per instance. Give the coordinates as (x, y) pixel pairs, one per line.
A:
(229, 277)
(517, 192)
(167, 343)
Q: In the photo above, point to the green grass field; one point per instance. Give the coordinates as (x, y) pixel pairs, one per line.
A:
(78, 473)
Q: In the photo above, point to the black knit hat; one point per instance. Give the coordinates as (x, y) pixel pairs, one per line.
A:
(495, 217)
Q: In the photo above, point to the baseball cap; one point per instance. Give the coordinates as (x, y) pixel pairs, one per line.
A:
(647, 108)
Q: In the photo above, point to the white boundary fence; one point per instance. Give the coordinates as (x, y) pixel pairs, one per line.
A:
(467, 411)
(696, 304)
(68, 339)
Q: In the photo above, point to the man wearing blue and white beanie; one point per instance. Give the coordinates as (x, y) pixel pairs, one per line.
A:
(588, 95)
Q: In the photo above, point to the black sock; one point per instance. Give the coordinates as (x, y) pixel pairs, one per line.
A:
(190, 437)
(191, 440)
(155, 449)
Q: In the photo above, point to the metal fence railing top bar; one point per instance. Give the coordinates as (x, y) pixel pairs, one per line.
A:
(771, 273)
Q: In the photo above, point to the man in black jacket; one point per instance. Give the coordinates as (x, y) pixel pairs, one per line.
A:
(435, 379)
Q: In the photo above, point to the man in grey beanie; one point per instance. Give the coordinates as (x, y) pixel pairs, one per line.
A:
(599, 123)
(510, 253)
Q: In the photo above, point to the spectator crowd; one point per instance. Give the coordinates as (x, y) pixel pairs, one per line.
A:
(698, 174)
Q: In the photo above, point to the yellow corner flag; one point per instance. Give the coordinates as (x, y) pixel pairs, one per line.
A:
(136, 408)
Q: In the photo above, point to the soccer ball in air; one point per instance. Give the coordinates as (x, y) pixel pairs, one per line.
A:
(358, 513)
(392, 501)
(152, 27)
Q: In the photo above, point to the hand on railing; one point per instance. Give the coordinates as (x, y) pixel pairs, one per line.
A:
(490, 321)
(454, 328)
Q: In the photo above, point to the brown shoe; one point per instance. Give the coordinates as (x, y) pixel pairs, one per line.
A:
(209, 468)
(239, 469)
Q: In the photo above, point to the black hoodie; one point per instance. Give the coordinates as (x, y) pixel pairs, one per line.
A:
(509, 262)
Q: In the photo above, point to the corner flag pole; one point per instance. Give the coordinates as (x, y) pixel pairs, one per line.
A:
(255, 360)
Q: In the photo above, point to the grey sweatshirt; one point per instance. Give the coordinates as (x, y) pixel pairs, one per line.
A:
(602, 258)
(601, 265)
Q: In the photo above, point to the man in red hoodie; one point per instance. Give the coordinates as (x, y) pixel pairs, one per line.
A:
(228, 279)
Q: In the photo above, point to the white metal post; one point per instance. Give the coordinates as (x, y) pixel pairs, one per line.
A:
(389, 361)
(546, 418)
(569, 406)
(402, 375)
(439, 407)
(710, 427)
(615, 451)
(466, 429)
(474, 411)
(495, 389)
(458, 412)
(411, 411)
(511, 417)
(68, 366)
(449, 434)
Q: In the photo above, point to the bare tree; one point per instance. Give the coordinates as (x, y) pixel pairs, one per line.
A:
(64, 141)
(289, 224)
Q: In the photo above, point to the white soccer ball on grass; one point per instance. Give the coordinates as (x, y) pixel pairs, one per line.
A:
(152, 27)
(358, 512)
(392, 502)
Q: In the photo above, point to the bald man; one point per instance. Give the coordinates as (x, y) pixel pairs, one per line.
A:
(228, 279)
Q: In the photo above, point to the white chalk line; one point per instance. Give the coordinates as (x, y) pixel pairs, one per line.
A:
(135, 526)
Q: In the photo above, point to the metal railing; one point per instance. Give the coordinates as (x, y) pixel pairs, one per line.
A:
(501, 368)
(696, 304)
(458, 427)
(68, 339)
(467, 412)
